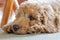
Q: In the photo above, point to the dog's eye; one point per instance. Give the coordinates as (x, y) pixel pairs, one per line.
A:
(31, 18)
(15, 27)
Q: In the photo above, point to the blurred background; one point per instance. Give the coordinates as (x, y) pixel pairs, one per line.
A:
(5, 3)
(2, 2)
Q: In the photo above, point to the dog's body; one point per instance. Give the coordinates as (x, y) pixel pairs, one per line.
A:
(36, 18)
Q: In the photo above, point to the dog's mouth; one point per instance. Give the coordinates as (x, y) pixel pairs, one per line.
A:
(7, 29)
(10, 32)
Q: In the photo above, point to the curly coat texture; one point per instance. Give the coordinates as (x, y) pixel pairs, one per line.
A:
(36, 18)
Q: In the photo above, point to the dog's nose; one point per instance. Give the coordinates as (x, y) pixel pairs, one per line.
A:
(15, 27)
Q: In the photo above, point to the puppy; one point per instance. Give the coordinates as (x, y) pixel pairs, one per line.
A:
(35, 18)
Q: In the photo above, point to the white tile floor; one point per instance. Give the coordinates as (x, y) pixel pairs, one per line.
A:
(5, 36)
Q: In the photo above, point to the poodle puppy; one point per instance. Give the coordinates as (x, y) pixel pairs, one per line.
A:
(35, 17)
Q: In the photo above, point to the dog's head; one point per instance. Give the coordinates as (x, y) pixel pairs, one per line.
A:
(32, 18)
